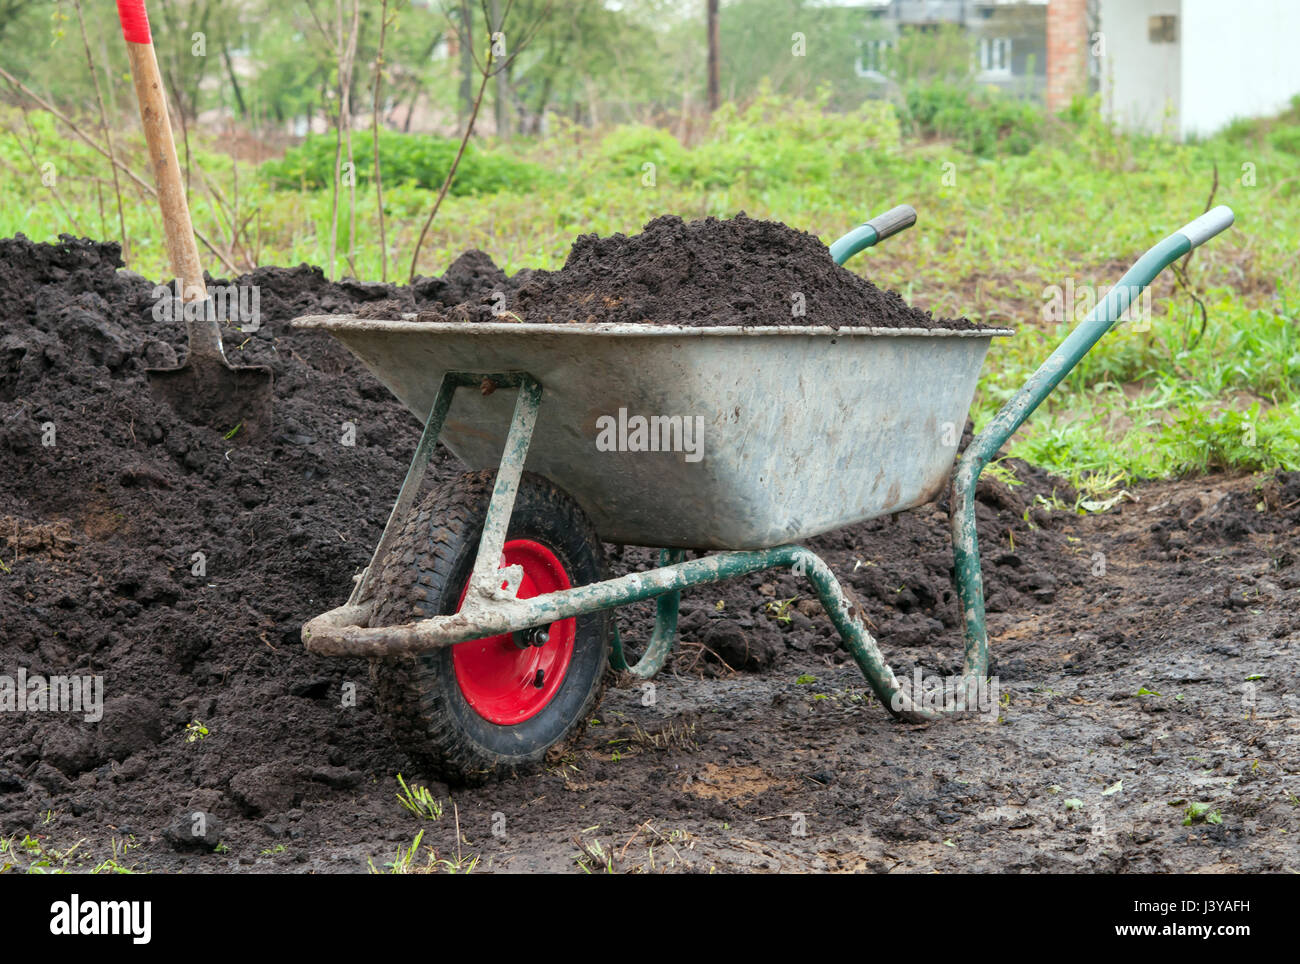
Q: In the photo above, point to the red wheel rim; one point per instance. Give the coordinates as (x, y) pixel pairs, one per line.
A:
(498, 678)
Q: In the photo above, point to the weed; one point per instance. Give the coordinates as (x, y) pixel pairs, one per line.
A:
(780, 609)
(1201, 813)
(419, 800)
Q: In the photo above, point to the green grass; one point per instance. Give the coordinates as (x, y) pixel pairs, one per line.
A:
(1011, 201)
(34, 854)
(414, 860)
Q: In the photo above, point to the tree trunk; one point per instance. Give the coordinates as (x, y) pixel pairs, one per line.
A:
(543, 99)
(713, 56)
(410, 110)
(501, 85)
(466, 61)
(234, 82)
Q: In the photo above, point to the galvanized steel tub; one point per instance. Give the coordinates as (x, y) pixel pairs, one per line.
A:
(805, 430)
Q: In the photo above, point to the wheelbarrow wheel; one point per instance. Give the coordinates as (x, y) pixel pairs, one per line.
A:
(495, 705)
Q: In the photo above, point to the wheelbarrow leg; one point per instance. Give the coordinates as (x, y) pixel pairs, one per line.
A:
(843, 613)
(665, 632)
(507, 484)
(410, 485)
(985, 446)
(846, 619)
(486, 579)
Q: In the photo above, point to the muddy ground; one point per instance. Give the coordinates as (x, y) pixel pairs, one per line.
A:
(1145, 656)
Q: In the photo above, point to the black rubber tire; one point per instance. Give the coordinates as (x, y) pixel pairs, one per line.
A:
(418, 697)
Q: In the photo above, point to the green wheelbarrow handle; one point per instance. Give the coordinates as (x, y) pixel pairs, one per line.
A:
(877, 229)
(985, 446)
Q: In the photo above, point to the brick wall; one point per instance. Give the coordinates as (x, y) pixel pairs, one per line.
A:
(1067, 51)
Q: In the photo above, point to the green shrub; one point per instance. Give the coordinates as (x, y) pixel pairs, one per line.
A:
(409, 159)
(771, 143)
(628, 148)
(1285, 139)
(980, 120)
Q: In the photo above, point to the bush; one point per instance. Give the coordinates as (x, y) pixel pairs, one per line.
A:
(627, 149)
(981, 120)
(1286, 139)
(774, 141)
(411, 159)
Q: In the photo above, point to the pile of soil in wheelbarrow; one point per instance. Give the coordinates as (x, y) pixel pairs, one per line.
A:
(178, 565)
(734, 271)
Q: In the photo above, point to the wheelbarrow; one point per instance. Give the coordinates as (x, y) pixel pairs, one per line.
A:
(486, 610)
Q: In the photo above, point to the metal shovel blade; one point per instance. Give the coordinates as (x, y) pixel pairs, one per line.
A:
(208, 390)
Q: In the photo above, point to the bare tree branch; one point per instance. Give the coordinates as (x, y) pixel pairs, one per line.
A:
(90, 141)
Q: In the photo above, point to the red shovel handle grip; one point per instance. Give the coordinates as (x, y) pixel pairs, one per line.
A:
(135, 21)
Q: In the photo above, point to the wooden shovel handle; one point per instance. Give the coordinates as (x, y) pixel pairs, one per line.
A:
(182, 250)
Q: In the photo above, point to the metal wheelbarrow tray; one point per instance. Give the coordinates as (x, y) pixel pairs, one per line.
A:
(804, 430)
(797, 431)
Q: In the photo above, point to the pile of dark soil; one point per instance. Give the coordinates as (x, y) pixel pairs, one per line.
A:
(736, 271)
(179, 565)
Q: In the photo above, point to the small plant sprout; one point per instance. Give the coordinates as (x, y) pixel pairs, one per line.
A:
(780, 609)
(594, 858)
(419, 800)
(405, 859)
(196, 731)
(1201, 813)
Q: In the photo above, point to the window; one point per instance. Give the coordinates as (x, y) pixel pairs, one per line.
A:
(995, 55)
(1162, 29)
(871, 61)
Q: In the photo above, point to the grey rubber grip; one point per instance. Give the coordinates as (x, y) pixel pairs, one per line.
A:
(894, 220)
(1207, 225)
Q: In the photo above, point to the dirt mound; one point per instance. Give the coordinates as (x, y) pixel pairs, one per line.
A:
(737, 271)
(179, 566)
(165, 558)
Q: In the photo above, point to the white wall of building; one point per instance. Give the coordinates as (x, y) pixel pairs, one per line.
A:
(1241, 58)
(1141, 82)
(1231, 58)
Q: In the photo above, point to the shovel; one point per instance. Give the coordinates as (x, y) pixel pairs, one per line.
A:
(206, 389)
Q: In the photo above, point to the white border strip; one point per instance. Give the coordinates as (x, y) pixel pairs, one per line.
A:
(353, 323)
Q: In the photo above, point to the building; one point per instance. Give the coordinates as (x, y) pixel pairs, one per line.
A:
(1008, 38)
(1187, 68)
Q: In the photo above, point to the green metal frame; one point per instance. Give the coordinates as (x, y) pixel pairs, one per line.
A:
(985, 446)
(420, 461)
(665, 632)
(489, 608)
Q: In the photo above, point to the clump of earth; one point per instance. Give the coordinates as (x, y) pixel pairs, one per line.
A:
(734, 272)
